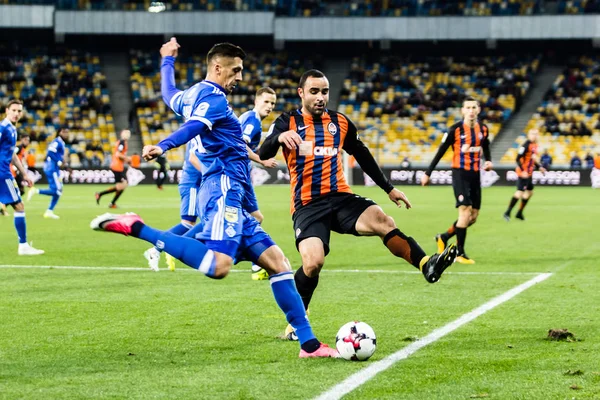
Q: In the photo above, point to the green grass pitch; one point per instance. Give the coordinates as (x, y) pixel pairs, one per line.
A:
(102, 333)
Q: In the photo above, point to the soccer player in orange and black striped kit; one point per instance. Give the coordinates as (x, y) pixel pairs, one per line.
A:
(117, 166)
(527, 161)
(468, 138)
(312, 139)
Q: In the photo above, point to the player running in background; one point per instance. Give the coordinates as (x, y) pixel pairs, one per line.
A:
(9, 193)
(527, 161)
(313, 138)
(55, 158)
(264, 102)
(21, 151)
(117, 166)
(227, 231)
(468, 138)
(163, 167)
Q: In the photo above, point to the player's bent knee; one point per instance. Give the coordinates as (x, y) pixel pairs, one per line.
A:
(19, 207)
(274, 261)
(313, 267)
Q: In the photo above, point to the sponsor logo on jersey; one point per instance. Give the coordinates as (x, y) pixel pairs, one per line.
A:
(325, 151)
(231, 214)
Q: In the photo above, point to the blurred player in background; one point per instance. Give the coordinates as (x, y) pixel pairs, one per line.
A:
(21, 151)
(161, 175)
(227, 232)
(468, 139)
(527, 162)
(117, 166)
(55, 159)
(9, 193)
(251, 121)
(313, 138)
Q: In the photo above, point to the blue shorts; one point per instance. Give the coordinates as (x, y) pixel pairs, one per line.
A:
(54, 180)
(9, 191)
(189, 202)
(250, 202)
(225, 226)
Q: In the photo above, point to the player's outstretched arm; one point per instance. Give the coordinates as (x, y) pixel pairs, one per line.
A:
(170, 94)
(181, 136)
(447, 139)
(277, 132)
(487, 154)
(270, 163)
(355, 147)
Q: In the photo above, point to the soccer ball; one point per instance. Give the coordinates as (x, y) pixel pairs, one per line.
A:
(356, 341)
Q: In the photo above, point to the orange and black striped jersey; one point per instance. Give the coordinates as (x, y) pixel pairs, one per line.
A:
(316, 165)
(526, 161)
(116, 163)
(467, 142)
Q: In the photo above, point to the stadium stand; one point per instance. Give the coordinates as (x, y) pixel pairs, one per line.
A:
(310, 8)
(402, 107)
(60, 87)
(156, 121)
(568, 118)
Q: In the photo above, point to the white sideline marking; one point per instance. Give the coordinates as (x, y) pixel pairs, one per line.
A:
(185, 268)
(361, 377)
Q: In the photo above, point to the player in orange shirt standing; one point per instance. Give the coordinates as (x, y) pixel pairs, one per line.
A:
(526, 163)
(469, 139)
(117, 166)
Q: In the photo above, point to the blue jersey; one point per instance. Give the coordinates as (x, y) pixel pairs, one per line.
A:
(190, 175)
(218, 132)
(8, 140)
(55, 154)
(251, 129)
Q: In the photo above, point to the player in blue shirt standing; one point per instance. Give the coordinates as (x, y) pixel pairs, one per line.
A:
(55, 158)
(9, 193)
(226, 232)
(264, 102)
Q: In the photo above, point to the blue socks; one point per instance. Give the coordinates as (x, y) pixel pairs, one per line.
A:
(55, 197)
(20, 226)
(179, 230)
(53, 202)
(190, 251)
(288, 299)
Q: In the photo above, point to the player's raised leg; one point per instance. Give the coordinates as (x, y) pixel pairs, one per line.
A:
(374, 222)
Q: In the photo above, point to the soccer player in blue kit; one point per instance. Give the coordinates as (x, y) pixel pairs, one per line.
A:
(226, 232)
(264, 102)
(55, 157)
(9, 193)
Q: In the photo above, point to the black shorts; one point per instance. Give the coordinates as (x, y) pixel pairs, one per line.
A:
(467, 188)
(336, 212)
(120, 176)
(525, 184)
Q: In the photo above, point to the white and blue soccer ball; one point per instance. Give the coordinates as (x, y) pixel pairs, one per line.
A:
(356, 341)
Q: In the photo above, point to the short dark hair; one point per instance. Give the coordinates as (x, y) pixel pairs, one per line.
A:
(25, 135)
(311, 73)
(225, 50)
(264, 89)
(14, 101)
(470, 98)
